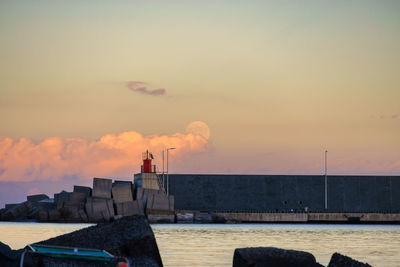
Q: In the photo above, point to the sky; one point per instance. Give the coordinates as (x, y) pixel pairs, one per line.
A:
(253, 87)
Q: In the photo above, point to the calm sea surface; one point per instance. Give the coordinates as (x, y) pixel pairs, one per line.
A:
(213, 245)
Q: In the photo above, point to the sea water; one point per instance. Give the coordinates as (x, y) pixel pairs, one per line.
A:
(213, 245)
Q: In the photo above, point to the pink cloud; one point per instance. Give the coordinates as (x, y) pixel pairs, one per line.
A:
(112, 155)
(141, 87)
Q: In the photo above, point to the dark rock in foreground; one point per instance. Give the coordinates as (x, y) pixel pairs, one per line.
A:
(9, 257)
(33, 260)
(339, 260)
(129, 237)
(272, 257)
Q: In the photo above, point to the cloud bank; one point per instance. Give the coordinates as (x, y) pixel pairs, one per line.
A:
(141, 87)
(112, 155)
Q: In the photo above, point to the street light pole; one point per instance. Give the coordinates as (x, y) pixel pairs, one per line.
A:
(163, 182)
(167, 170)
(326, 179)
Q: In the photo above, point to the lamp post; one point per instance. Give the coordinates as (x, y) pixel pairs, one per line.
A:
(171, 148)
(163, 181)
(326, 179)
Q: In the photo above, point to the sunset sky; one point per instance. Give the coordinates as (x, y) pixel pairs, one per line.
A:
(86, 86)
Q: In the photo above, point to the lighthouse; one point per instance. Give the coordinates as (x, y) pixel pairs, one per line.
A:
(147, 167)
(148, 178)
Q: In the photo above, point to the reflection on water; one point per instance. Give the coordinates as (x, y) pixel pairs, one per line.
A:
(213, 245)
(19, 234)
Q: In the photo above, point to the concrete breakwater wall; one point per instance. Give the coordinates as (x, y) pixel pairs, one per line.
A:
(285, 193)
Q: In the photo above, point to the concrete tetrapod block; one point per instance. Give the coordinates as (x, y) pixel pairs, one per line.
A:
(36, 198)
(9, 206)
(130, 237)
(102, 188)
(160, 202)
(34, 212)
(273, 257)
(122, 193)
(144, 192)
(83, 189)
(43, 216)
(18, 212)
(99, 209)
(77, 198)
(62, 196)
(83, 216)
(54, 215)
(69, 214)
(130, 208)
(120, 182)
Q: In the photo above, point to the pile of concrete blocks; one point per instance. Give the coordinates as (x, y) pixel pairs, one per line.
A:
(159, 207)
(105, 202)
(27, 210)
(69, 207)
(125, 205)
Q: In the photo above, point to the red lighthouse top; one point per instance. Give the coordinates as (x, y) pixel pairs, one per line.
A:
(147, 158)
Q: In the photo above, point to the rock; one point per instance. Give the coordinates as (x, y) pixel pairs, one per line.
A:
(339, 260)
(9, 257)
(273, 257)
(129, 237)
(37, 198)
(31, 259)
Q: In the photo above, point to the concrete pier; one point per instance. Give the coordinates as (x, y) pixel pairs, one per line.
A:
(312, 217)
(266, 217)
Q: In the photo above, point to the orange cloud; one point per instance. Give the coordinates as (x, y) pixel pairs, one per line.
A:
(112, 155)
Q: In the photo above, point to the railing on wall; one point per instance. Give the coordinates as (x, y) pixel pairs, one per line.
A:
(152, 169)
